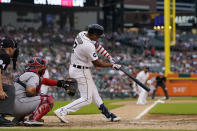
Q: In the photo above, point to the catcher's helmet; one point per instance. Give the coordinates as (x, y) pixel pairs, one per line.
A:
(37, 62)
(96, 29)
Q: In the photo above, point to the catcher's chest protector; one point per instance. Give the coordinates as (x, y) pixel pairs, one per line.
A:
(6, 106)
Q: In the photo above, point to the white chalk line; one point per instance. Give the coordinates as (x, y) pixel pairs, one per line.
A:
(149, 108)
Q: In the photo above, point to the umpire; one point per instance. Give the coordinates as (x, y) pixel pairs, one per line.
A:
(8, 52)
(160, 82)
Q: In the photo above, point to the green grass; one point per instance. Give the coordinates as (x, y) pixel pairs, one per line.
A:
(90, 109)
(177, 98)
(175, 109)
(88, 130)
(184, 98)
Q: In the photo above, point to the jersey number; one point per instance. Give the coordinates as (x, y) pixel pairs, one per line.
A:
(79, 41)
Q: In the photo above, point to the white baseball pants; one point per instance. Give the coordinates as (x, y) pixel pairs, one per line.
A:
(142, 96)
(87, 88)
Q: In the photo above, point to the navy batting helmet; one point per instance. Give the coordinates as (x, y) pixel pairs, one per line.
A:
(96, 29)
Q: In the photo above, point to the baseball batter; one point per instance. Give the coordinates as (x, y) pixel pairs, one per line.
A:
(142, 76)
(83, 57)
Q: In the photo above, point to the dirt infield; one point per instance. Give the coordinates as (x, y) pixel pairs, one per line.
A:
(128, 113)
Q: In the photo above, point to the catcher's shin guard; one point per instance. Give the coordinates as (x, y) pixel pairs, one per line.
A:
(45, 106)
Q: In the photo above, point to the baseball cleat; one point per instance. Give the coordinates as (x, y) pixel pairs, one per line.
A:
(19, 121)
(5, 123)
(112, 118)
(33, 123)
(61, 115)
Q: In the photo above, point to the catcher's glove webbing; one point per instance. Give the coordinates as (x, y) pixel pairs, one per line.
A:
(70, 85)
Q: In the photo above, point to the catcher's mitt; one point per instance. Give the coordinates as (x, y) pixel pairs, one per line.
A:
(70, 85)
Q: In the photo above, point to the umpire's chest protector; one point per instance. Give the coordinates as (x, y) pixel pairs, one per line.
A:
(7, 105)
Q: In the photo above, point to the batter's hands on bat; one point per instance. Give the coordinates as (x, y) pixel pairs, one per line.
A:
(116, 66)
(112, 60)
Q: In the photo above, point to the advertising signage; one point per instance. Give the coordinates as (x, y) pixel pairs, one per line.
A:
(179, 20)
(5, 1)
(66, 3)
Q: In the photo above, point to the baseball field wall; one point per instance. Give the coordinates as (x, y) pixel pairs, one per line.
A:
(179, 85)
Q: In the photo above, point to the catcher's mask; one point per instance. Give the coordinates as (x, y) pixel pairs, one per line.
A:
(37, 62)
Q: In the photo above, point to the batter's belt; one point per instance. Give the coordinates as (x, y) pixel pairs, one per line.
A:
(80, 67)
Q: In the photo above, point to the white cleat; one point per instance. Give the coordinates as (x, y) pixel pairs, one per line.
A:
(61, 115)
(112, 118)
(116, 119)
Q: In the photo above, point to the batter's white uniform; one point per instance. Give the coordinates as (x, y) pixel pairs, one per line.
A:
(84, 52)
(142, 77)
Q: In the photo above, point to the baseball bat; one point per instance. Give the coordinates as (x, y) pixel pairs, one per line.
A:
(136, 80)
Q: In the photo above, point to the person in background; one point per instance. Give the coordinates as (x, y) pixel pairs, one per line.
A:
(8, 52)
(160, 82)
(142, 76)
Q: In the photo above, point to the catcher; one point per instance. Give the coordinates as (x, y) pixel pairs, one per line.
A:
(28, 101)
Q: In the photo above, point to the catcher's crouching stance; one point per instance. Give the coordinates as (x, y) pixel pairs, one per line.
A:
(28, 101)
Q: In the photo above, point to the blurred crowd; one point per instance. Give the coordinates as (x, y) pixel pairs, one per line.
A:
(132, 49)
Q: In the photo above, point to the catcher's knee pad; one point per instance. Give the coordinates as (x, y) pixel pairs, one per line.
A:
(46, 104)
(47, 99)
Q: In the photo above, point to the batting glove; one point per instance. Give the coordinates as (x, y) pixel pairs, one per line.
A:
(112, 60)
(116, 66)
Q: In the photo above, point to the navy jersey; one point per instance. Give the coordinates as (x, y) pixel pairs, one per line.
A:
(4, 60)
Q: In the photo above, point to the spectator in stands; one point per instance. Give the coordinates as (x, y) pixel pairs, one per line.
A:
(129, 46)
(152, 51)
